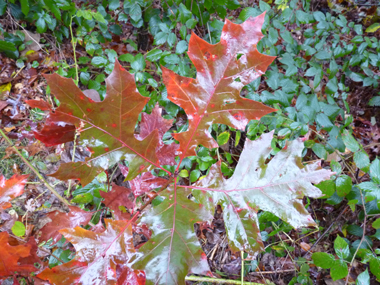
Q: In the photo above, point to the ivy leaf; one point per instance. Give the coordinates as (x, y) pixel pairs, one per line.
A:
(75, 217)
(97, 255)
(214, 96)
(109, 137)
(10, 189)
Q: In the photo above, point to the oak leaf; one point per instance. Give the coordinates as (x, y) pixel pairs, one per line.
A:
(97, 255)
(59, 220)
(106, 128)
(10, 189)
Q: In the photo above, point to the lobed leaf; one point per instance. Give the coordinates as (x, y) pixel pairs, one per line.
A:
(214, 96)
(10, 189)
(97, 255)
(106, 128)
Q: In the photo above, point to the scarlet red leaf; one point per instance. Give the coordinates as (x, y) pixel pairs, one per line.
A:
(11, 188)
(108, 130)
(97, 255)
(54, 133)
(117, 197)
(214, 96)
(165, 152)
(11, 255)
(43, 105)
(60, 220)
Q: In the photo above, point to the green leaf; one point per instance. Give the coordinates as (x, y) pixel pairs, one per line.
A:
(7, 46)
(135, 12)
(343, 185)
(223, 138)
(341, 248)
(18, 229)
(375, 101)
(41, 25)
(138, 63)
(287, 36)
(272, 36)
(160, 38)
(327, 187)
(190, 24)
(375, 170)
(184, 173)
(319, 150)
(83, 198)
(376, 224)
(194, 175)
(363, 278)
(323, 260)
(323, 55)
(99, 61)
(127, 57)
(361, 160)
(374, 266)
(24, 6)
(319, 16)
(373, 28)
(171, 39)
(350, 141)
(154, 55)
(302, 17)
(339, 270)
(113, 4)
(181, 47)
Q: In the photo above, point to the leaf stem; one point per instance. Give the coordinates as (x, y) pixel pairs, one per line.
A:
(60, 198)
(218, 280)
(74, 43)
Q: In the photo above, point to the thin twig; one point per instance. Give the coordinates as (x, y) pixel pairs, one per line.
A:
(60, 198)
(218, 280)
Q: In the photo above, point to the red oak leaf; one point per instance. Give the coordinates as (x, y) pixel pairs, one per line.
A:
(97, 255)
(106, 128)
(117, 197)
(40, 104)
(11, 188)
(214, 96)
(144, 182)
(149, 122)
(11, 255)
(59, 220)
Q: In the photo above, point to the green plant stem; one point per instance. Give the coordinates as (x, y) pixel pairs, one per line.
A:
(218, 280)
(60, 198)
(74, 43)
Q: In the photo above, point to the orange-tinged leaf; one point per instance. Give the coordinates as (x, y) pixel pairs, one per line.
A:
(59, 220)
(108, 130)
(214, 96)
(11, 188)
(97, 255)
(11, 255)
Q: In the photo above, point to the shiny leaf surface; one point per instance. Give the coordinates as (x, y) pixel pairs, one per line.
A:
(106, 128)
(173, 250)
(97, 255)
(10, 189)
(277, 186)
(59, 220)
(11, 256)
(214, 96)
